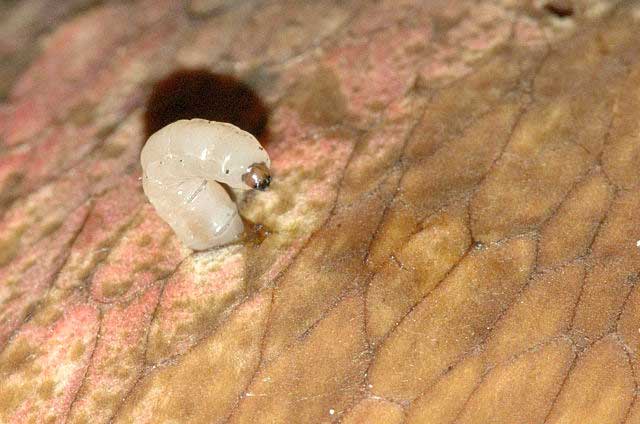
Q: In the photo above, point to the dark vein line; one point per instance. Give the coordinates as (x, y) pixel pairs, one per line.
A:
(512, 360)
(581, 180)
(455, 266)
(493, 327)
(561, 387)
(622, 307)
(263, 344)
(66, 248)
(524, 109)
(628, 356)
(86, 369)
(280, 276)
(588, 268)
(577, 305)
(143, 356)
(470, 248)
(443, 146)
(578, 356)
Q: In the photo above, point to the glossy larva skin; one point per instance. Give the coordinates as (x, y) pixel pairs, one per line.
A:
(182, 164)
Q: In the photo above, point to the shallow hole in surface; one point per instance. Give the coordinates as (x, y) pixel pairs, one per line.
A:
(561, 9)
(200, 93)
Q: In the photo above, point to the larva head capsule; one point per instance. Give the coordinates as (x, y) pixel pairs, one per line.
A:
(257, 176)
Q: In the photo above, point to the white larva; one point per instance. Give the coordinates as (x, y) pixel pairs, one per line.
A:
(182, 165)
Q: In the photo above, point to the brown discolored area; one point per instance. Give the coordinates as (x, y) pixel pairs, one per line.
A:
(451, 236)
(544, 312)
(620, 160)
(318, 98)
(446, 163)
(17, 359)
(20, 355)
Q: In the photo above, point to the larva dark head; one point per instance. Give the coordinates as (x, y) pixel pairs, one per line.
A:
(257, 176)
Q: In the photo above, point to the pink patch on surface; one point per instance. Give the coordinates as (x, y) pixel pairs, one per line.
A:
(88, 56)
(299, 144)
(195, 293)
(359, 85)
(445, 63)
(146, 253)
(64, 353)
(29, 220)
(118, 357)
(58, 151)
(528, 32)
(109, 216)
(34, 272)
(487, 27)
(23, 121)
(377, 66)
(63, 148)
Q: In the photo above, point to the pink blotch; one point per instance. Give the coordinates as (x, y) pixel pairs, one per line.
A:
(123, 332)
(77, 327)
(43, 261)
(445, 63)
(110, 214)
(29, 117)
(223, 286)
(487, 27)
(528, 32)
(145, 254)
(299, 144)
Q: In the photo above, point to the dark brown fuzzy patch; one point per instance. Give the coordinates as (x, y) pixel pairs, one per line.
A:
(199, 93)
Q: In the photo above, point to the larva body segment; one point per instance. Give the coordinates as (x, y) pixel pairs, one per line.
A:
(182, 164)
